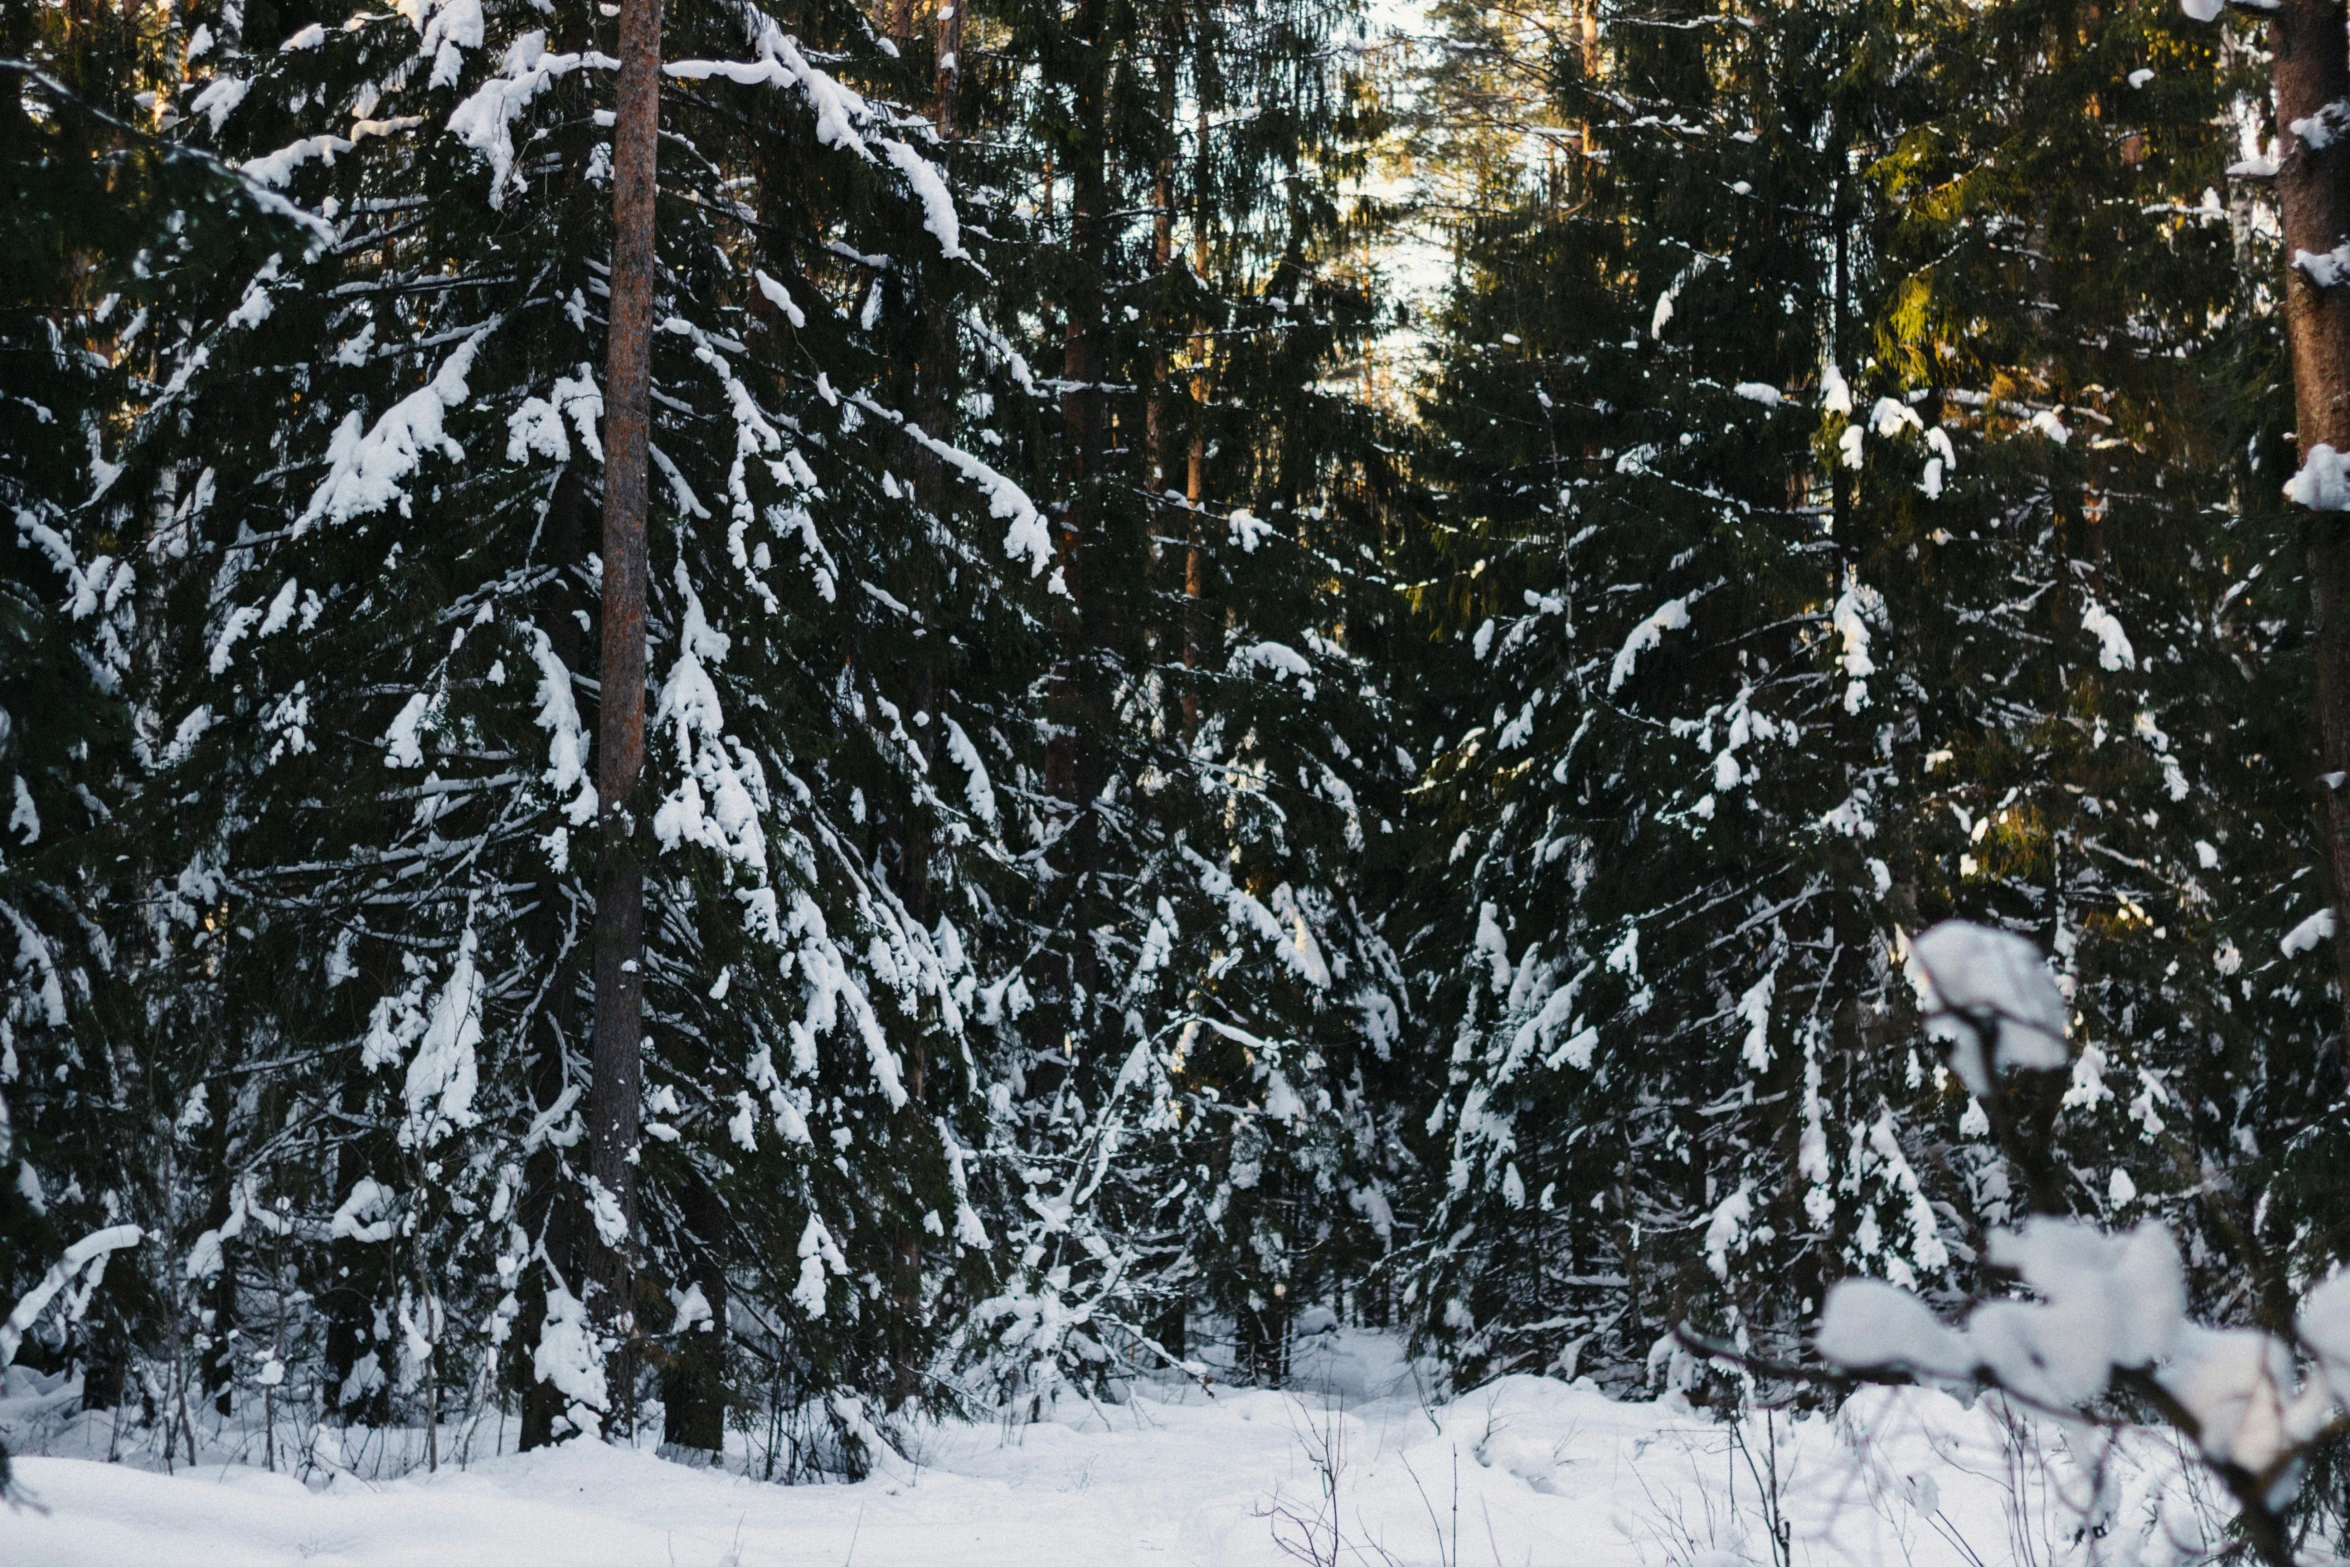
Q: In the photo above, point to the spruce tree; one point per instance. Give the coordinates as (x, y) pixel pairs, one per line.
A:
(1778, 425)
(96, 201)
(1187, 1027)
(388, 457)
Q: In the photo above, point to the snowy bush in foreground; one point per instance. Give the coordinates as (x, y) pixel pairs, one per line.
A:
(2111, 1319)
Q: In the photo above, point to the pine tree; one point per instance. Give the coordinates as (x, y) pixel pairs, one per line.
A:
(388, 456)
(95, 198)
(1760, 412)
(1199, 991)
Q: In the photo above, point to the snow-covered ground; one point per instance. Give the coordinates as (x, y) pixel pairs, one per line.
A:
(1525, 1472)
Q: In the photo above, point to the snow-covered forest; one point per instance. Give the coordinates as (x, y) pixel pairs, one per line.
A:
(768, 726)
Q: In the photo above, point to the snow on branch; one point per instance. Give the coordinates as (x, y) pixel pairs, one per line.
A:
(2323, 484)
(485, 121)
(366, 467)
(1988, 994)
(90, 1252)
(840, 109)
(2113, 641)
(930, 188)
(978, 792)
(1671, 615)
(2098, 1314)
(2111, 1313)
(1026, 536)
(567, 743)
(1243, 911)
(2305, 936)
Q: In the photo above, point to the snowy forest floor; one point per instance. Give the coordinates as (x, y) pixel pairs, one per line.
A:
(1352, 1468)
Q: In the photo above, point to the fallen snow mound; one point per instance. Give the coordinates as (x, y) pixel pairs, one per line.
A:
(1527, 1470)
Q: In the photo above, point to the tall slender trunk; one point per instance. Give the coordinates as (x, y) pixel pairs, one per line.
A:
(2311, 72)
(947, 72)
(560, 1034)
(1840, 476)
(220, 1296)
(620, 893)
(935, 388)
(549, 1211)
(1195, 478)
(1081, 404)
(1587, 18)
(693, 1383)
(1162, 260)
(1155, 411)
(1162, 256)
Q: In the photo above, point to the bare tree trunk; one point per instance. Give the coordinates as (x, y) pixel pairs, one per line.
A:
(693, 1384)
(1154, 414)
(562, 1032)
(947, 79)
(620, 893)
(1162, 255)
(1195, 479)
(936, 384)
(1162, 259)
(2311, 72)
(1194, 552)
(1081, 402)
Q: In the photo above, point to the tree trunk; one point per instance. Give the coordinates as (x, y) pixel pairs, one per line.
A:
(1154, 416)
(620, 894)
(693, 1391)
(220, 1295)
(1162, 256)
(1081, 400)
(1195, 479)
(549, 1211)
(935, 389)
(948, 72)
(2311, 70)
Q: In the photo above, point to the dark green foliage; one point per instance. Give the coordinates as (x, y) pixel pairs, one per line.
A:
(1199, 1000)
(1147, 833)
(365, 498)
(1890, 385)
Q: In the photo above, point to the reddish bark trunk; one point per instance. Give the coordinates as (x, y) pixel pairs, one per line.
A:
(948, 70)
(619, 1066)
(1081, 402)
(2311, 72)
(1195, 479)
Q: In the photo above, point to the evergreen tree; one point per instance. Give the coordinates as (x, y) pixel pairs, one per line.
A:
(1137, 840)
(94, 200)
(385, 461)
(1195, 990)
(1777, 426)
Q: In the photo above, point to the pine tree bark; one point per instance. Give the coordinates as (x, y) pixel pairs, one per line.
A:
(693, 1384)
(947, 72)
(549, 1211)
(1195, 478)
(1155, 413)
(1162, 256)
(2310, 70)
(620, 893)
(1081, 397)
(935, 395)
